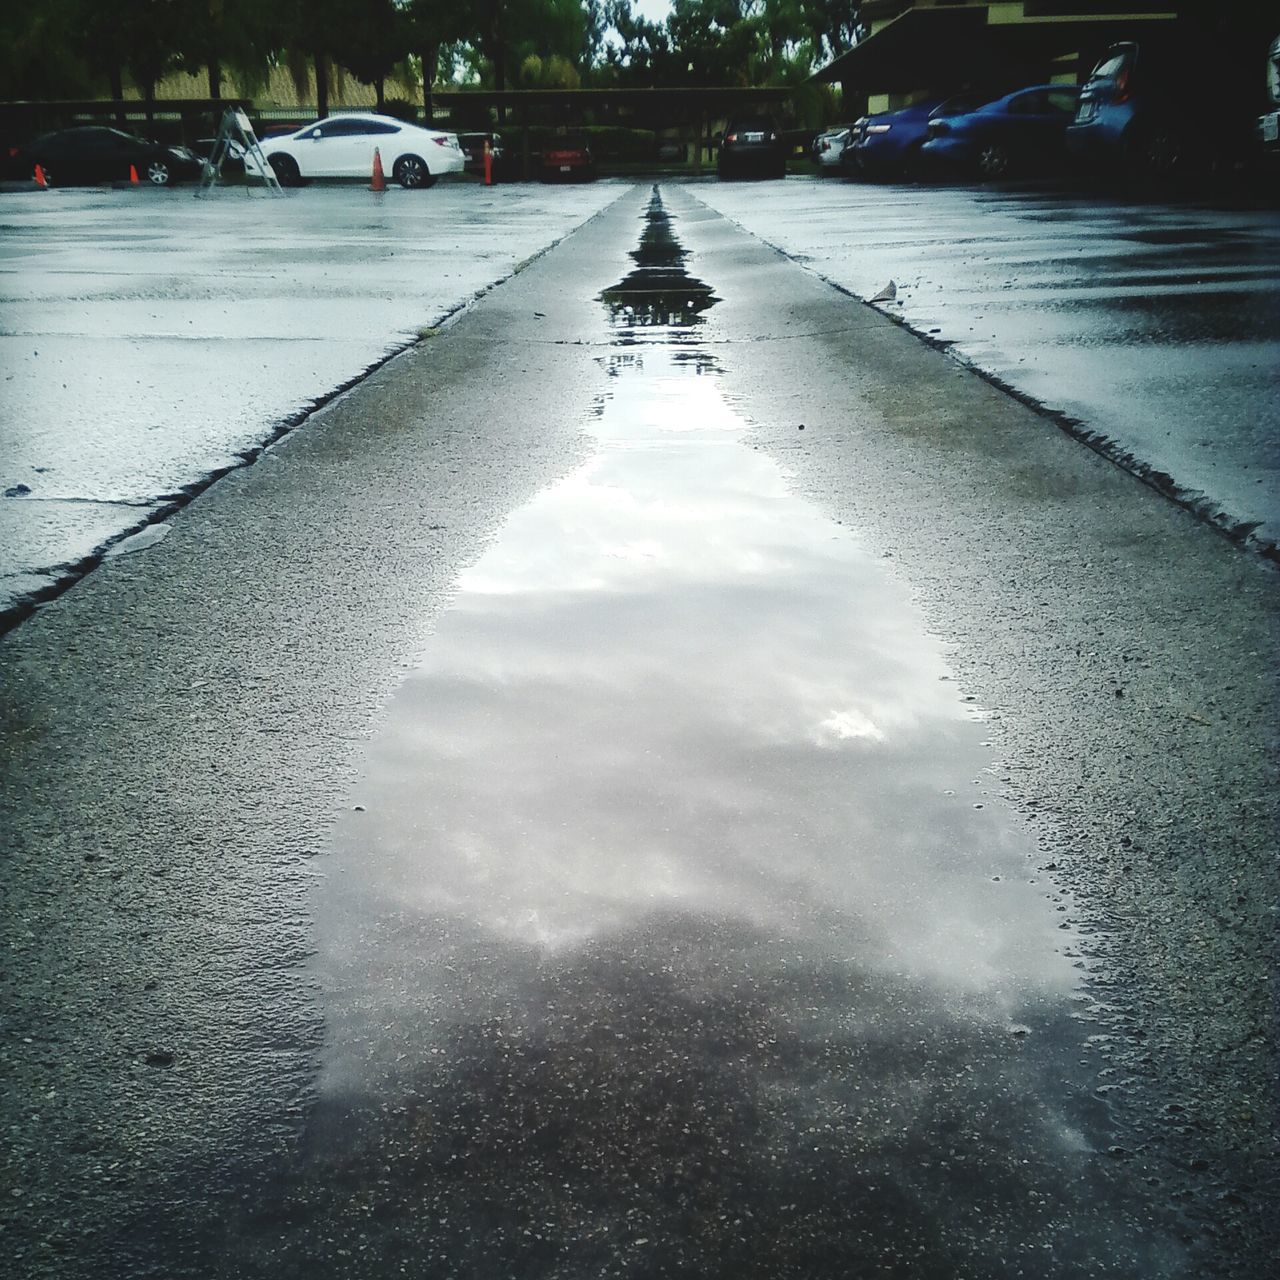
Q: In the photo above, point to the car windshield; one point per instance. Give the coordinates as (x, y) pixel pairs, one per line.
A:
(754, 124)
(960, 105)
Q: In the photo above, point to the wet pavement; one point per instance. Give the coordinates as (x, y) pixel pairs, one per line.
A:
(150, 341)
(671, 930)
(1152, 329)
(669, 815)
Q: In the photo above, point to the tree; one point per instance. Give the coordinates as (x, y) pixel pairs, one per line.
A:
(429, 26)
(219, 34)
(370, 37)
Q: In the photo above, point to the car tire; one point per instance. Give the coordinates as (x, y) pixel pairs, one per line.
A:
(159, 173)
(1161, 153)
(912, 168)
(411, 172)
(994, 161)
(286, 170)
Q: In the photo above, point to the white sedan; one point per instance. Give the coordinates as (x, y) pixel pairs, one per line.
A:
(343, 146)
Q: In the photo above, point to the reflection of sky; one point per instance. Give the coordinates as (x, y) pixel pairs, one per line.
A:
(668, 905)
(670, 684)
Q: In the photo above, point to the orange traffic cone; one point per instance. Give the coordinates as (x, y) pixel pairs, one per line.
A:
(41, 180)
(133, 173)
(379, 182)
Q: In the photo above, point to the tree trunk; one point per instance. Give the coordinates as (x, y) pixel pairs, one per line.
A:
(430, 63)
(215, 78)
(380, 94)
(149, 101)
(116, 77)
(498, 52)
(322, 85)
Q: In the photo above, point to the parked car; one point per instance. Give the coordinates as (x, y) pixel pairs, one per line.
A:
(228, 150)
(828, 147)
(752, 146)
(1269, 123)
(1144, 110)
(503, 165)
(92, 153)
(887, 145)
(1019, 133)
(566, 158)
(343, 146)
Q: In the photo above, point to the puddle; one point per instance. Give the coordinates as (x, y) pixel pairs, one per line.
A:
(670, 932)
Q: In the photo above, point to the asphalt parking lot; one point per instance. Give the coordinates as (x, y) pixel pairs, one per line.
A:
(1149, 327)
(150, 340)
(670, 774)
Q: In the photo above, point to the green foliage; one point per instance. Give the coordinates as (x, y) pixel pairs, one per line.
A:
(61, 48)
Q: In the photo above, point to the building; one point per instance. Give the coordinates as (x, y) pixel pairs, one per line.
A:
(914, 48)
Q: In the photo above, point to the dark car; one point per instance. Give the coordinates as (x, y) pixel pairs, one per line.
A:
(566, 159)
(93, 154)
(502, 164)
(1020, 133)
(1164, 109)
(752, 147)
(888, 145)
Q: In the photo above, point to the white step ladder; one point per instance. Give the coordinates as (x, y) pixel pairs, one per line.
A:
(236, 128)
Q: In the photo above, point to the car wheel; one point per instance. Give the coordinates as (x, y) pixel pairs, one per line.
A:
(1161, 153)
(285, 169)
(159, 174)
(993, 160)
(913, 164)
(411, 172)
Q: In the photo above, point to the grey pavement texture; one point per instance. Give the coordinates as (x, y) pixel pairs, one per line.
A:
(185, 727)
(149, 341)
(1151, 328)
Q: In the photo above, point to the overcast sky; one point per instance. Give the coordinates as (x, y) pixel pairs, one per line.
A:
(653, 10)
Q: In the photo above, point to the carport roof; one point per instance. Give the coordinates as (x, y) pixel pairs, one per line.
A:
(952, 45)
(688, 99)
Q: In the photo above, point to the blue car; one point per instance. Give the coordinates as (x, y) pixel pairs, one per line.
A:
(1022, 132)
(888, 145)
(1164, 110)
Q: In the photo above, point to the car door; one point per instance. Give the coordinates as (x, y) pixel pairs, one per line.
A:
(382, 136)
(120, 150)
(1037, 122)
(329, 150)
(86, 155)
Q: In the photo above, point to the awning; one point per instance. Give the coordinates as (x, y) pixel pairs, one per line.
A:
(948, 47)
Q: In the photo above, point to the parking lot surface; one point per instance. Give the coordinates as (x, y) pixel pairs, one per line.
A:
(735, 794)
(149, 340)
(1153, 327)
